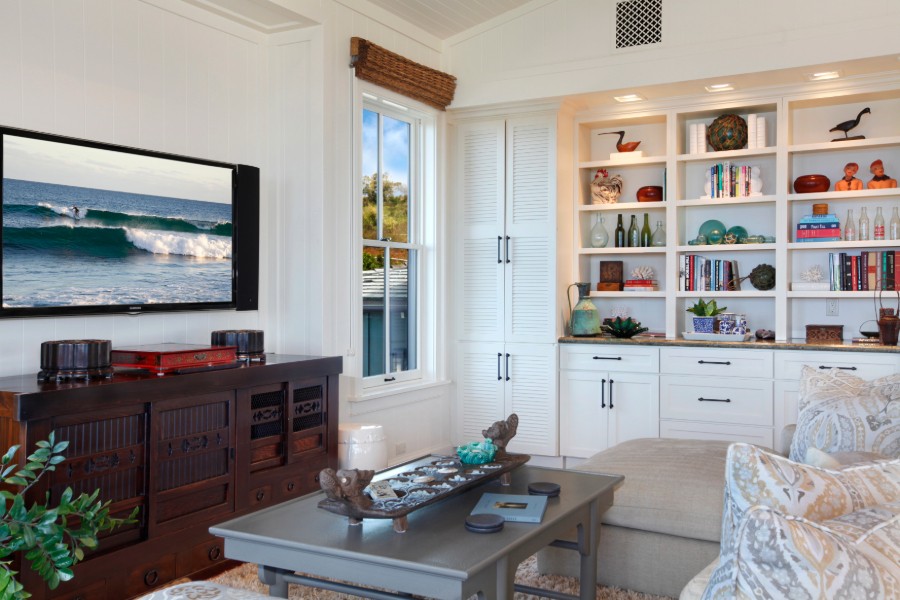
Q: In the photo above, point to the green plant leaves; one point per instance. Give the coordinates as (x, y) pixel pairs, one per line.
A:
(706, 309)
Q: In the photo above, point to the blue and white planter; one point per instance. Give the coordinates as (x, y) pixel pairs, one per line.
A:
(704, 324)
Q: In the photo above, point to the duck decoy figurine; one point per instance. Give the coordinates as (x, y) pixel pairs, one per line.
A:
(848, 125)
(620, 146)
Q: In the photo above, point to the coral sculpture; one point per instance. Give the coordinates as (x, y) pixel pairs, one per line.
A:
(812, 274)
(644, 272)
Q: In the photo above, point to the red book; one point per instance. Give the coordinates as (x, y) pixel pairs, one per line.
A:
(854, 272)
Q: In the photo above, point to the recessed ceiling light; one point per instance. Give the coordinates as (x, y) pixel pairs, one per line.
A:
(720, 87)
(823, 75)
(629, 98)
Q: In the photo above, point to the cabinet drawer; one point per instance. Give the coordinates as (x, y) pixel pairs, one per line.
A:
(789, 364)
(200, 556)
(692, 430)
(93, 591)
(718, 362)
(260, 496)
(740, 401)
(148, 576)
(600, 357)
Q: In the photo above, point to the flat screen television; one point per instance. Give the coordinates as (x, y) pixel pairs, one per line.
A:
(93, 228)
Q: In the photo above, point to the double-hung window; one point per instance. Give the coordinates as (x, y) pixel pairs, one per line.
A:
(392, 247)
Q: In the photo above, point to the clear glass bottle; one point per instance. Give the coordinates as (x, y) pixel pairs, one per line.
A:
(894, 227)
(850, 227)
(634, 234)
(659, 236)
(878, 225)
(599, 235)
(646, 233)
(620, 234)
(863, 232)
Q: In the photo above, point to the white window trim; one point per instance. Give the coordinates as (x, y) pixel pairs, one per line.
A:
(429, 325)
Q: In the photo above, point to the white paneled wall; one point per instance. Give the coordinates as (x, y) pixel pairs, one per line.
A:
(130, 73)
(559, 47)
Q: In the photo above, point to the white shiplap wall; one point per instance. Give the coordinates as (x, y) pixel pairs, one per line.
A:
(136, 74)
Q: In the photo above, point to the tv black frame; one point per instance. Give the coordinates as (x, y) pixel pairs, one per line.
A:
(245, 237)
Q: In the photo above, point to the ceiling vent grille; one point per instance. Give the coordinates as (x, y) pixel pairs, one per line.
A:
(638, 23)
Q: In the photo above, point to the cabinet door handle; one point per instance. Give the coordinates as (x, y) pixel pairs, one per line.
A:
(611, 382)
(507, 249)
(507, 366)
(607, 358)
(499, 240)
(386, 379)
(844, 368)
(713, 399)
(713, 362)
(151, 577)
(603, 393)
(499, 377)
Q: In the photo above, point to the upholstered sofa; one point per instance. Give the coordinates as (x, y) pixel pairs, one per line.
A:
(665, 523)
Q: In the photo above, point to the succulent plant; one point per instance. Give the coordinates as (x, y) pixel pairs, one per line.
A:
(706, 309)
(622, 328)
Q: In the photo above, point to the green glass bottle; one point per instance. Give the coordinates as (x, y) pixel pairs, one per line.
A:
(646, 234)
(634, 234)
(620, 234)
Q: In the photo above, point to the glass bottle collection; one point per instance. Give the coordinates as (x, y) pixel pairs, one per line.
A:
(861, 231)
(633, 237)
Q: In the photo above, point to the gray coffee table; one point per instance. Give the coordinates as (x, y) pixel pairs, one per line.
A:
(436, 558)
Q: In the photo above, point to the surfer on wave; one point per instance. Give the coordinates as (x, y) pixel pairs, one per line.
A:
(75, 211)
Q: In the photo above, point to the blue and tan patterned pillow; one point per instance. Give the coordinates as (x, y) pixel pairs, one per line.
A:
(840, 412)
(760, 484)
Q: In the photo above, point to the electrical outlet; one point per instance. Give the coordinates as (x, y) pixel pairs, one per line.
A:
(831, 307)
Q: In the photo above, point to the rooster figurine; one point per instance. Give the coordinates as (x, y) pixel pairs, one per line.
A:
(606, 189)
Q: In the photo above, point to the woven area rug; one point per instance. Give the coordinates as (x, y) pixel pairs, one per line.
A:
(244, 577)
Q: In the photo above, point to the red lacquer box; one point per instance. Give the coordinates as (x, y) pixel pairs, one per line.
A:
(174, 358)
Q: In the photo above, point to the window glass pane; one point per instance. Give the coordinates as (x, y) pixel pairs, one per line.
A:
(402, 310)
(374, 321)
(370, 175)
(395, 179)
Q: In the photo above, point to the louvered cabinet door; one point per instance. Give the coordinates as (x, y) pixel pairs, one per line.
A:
(481, 255)
(191, 473)
(480, 388)
(530, 275)
(530, 378)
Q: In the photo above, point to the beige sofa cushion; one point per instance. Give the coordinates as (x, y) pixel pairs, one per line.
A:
(671, 486)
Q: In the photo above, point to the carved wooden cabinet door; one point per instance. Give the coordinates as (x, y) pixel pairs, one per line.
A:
(191, 458)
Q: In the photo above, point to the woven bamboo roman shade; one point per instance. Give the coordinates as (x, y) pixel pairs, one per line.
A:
(382, 67)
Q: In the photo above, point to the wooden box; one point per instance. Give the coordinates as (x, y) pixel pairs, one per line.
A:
(824, 334)
(611, 276)
(167, 358)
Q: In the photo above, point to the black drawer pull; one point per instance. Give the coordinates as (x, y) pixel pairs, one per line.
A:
(290, 486)
(151, 577)
(215, 553)
(602, 393)
(607, 358)
(713, 362)
(611, 382)
(499, 377)
(844, 368)
(499, 240)
(260, 495)
(386, 379)
(714, 399)
(507, 250)
(507, 366)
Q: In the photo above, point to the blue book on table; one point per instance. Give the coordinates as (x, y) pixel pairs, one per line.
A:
(512, 507)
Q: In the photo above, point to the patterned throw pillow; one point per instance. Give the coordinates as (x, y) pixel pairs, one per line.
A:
(779, 556)
(755, 478)
(840, 412)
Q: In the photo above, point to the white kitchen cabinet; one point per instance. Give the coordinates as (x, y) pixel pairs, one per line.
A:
(505, 274)
(600, 405)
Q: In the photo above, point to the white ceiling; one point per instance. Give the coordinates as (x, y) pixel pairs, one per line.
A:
(446, 18)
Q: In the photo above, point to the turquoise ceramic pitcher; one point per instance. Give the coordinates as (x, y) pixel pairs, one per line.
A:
(584, 319)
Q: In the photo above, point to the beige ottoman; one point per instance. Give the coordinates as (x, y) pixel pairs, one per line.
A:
(205, 590)
(666, 519)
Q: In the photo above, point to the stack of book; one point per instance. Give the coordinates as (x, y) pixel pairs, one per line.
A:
(729, 181)
(867, 271)
(701, 274)
(819, 228)
(641, 285)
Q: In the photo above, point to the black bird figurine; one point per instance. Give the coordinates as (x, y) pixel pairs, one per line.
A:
(622, 147)
(848, 125)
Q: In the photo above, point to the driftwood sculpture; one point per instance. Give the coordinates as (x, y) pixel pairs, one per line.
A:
(347, 485)
(501, 432)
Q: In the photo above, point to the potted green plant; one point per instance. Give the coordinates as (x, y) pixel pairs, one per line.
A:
(705, 315)
(51, 538)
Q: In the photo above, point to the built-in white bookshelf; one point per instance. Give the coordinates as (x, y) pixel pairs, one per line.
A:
(797, 142)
